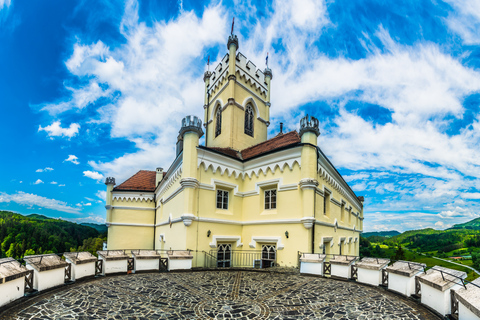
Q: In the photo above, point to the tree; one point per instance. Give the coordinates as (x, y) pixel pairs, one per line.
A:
(399, 253)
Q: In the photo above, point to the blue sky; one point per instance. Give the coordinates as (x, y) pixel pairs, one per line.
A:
(97, 88)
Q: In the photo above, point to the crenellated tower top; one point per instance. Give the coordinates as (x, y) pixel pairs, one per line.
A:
(237, 101)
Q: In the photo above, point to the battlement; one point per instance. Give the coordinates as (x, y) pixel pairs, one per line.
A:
(248, 70)
(309, 123)
(191, 123)
(110, 180)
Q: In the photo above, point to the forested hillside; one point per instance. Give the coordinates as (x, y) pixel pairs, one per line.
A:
(36, 234)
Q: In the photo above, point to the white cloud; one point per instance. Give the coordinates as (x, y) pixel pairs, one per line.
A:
(53, 182)
(90, 218)
(5, 4)
(102, 195)
(61, 185)
(56, 130)
(44, 170)
(72, 158)
(465, 20)
(38, 181)
(29, 199)
(93, 175)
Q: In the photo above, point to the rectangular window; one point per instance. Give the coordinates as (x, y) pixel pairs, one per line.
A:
(222, 199)
(271, 199)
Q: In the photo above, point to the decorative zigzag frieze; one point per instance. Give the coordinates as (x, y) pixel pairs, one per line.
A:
(132, 197)
(255, 171)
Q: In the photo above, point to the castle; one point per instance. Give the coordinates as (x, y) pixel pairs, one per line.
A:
(240, 191)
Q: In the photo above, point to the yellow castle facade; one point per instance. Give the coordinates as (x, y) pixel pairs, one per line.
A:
(240, 191)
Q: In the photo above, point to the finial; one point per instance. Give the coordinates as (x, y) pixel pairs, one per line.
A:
(233, 22)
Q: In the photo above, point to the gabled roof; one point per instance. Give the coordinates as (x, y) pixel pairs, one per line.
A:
(143, 180)
(280, 141)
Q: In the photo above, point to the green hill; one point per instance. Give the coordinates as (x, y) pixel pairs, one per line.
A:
(386, 234)
(99, 227)
(39, 234)
(472, 225)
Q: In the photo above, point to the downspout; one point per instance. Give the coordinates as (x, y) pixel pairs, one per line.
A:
(154, 219)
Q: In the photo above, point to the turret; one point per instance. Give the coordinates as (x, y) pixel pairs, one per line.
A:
(309, 130)
(232, 46)
(189, 136)
(110, 182)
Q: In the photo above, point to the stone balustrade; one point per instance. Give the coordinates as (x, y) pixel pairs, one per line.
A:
(441, 289)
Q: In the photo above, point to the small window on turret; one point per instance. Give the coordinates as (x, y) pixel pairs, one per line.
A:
(249, 120)
(218, 122)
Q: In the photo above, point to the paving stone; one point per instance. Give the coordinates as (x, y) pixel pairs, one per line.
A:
(218, 295)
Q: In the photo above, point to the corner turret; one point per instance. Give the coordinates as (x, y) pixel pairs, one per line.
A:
(110, 182)
(309, 130)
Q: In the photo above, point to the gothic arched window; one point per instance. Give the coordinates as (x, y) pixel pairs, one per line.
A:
(249, 120)
(218, 122)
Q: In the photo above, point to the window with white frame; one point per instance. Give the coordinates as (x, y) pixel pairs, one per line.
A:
(271, 199)
(222, 199)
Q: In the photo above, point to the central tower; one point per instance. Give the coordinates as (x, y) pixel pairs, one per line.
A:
(237, 101)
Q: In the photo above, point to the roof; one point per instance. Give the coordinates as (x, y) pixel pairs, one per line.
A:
(143, 180)
(80, 257)
(280, 141)
(442, 278)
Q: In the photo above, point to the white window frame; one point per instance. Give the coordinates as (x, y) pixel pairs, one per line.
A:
(269, 200)
(223, 193)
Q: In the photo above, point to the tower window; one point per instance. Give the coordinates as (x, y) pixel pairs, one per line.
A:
(218, 122)
(249, 120)
(271, 199)
(222, 199)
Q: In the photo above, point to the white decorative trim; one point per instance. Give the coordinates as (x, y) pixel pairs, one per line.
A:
(189, 183)
(308, 183)
(129, 224)
(133, 208)
(162, 237)
(230, 166)
(349, 240)
(308, 222)
(340, 240)
(173, 174)
(325, 240)
(332, 200)
(276, 240)
(355, 240)
(126, 196)
(187, 219)
(216, 239)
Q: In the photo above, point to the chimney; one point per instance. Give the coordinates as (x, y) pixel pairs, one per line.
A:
(281, 127)
(159, 176)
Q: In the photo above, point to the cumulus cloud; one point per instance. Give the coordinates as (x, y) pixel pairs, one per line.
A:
(102, 195)
(29, 199)
(56, 130)
(72, 158)
(5, 4)
(53, 182)
(93, 175)
(38, 181)
(44, 170)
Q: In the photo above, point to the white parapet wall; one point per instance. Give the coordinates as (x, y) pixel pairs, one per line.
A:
(436, 284)
(179, 260)
(48, 270)
(83, 264)
(114, 261)
(312, 263)
(12, 280)
(369, 270)
(401, 276)
(146, 260)
(342, 266)
(469, 301)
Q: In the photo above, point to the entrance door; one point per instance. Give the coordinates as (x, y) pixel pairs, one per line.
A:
(269, 255)
(224, 253)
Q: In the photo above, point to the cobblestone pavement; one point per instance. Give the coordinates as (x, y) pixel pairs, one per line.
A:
(218, 295)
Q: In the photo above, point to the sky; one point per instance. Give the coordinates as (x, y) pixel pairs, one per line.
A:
(96, 88)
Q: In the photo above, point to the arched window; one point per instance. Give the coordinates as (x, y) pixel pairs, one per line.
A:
(218, 122)
(249, 120)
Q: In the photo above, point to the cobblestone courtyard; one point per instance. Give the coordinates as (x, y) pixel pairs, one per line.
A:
(217, 295)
